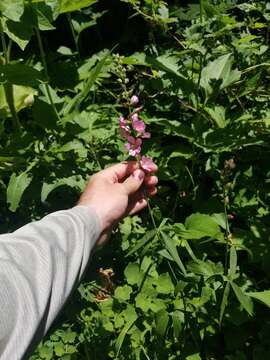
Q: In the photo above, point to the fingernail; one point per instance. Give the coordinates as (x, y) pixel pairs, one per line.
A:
(138, 175)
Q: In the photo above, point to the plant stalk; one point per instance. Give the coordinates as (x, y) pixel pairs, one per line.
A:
(8, 88)
(44, 63)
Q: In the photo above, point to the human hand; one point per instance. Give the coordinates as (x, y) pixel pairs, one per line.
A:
(118, 191)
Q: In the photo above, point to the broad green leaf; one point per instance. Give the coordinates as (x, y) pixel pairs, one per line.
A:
(169, 64)
(23, 98)
(162, 320)
(171, 248)
(204, 224)
(122, 293)
(73, 5)
(12, 9)
(218, 115)
(164, 284)
(76, 182)
(220, 70)
(244, 300)
(195, 356)
(20, 31)
(263, 296)
(16, 187)
(20, 74)
(133, 274)
(205, 268)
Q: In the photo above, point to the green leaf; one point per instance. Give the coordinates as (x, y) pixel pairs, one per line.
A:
(178, 319)
(20, 74)
(20, 31)
(218, 115)
(162, 320)
(92, 77)
(75, 181)
(219, 70)
(203, 224)
(164, 284)
(16, 187)
(12, 9)
(133, 274)
(122, 293)
(71, 5)
(144, 240)
(205, 268)
(262, 296)
(224, 301)
(122, 335)
(171, 248)
(244, 300)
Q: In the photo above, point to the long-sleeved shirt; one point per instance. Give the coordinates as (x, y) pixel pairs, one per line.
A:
(40, 264)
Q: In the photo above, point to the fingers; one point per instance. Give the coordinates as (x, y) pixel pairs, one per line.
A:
(150, 181)
(134, 181)
(138, 206)
(120, 171)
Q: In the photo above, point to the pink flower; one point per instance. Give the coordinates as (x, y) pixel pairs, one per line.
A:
(123, 124)
(134, 100)
(146, 135)
(147, 164)
(133, 146)
(137, 124)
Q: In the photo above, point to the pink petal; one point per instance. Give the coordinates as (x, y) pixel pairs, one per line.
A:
(147, 164)
(146, 135)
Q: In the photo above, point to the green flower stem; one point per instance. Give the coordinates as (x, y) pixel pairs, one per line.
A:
(8, 88)
(44, 63)
(227, 234)
(73, 34)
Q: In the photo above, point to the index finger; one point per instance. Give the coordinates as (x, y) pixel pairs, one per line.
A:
(121, 171)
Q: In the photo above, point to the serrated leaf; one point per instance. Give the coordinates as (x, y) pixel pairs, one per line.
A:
(16, 187)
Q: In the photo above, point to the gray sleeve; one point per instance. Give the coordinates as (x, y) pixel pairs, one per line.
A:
(39, 266)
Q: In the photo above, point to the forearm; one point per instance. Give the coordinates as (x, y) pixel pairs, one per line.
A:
(39, 266)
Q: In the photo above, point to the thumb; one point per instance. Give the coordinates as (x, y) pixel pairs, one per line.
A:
(134, 181)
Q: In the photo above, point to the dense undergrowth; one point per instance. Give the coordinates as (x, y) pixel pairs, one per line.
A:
(193, 284)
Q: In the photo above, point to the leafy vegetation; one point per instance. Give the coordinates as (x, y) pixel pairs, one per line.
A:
(192, 276)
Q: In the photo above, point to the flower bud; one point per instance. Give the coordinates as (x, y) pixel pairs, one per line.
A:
(134, 100)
